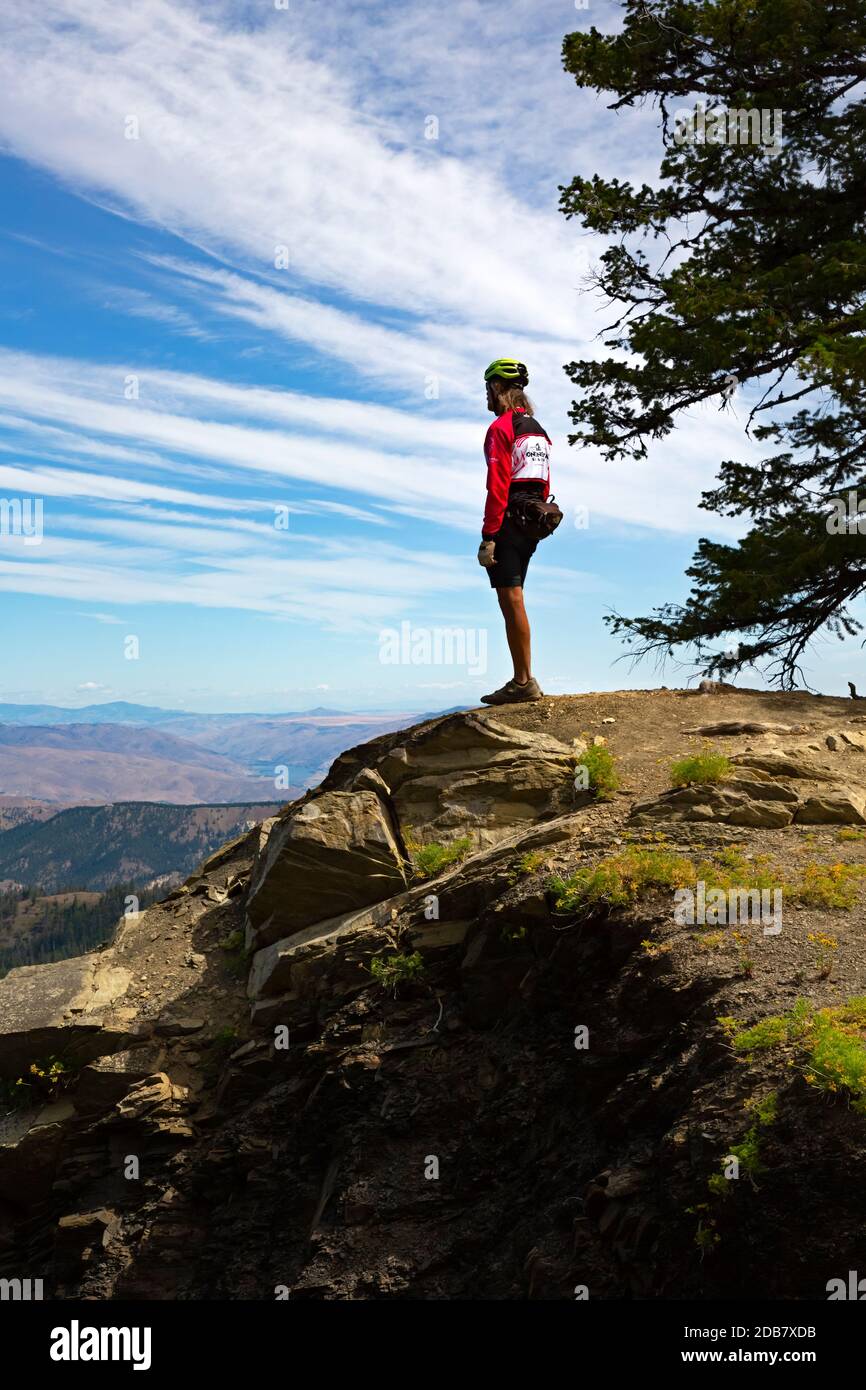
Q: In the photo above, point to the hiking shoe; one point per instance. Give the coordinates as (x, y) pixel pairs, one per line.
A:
(513, 694)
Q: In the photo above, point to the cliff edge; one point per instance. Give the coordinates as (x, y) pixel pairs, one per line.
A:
(471, 1020)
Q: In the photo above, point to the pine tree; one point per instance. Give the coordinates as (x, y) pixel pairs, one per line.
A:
(744, 268)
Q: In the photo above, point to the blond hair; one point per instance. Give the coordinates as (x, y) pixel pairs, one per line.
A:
(511, 398)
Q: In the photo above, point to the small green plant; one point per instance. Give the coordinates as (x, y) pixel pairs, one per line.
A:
(226, 1040)
(395, 970)
(748, 1151)
(700, 767)
(232, 942)
(706, 1236)
(830, 1042)
(747, 965)
(829, 885)
(529, 862)
(775, 1030)
(770, 1032)
(429, 860)
(44, 1080)
(601, 773)
(850, 832)
(514, 935)
(825, 946)
(764, 1108)
(719, 1185)
(733, 869)
(620, 880)
(654, 949)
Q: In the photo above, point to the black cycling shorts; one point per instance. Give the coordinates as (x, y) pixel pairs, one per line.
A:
(512, 555)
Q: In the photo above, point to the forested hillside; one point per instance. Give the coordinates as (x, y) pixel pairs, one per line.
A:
(96, 847)
(37, 928)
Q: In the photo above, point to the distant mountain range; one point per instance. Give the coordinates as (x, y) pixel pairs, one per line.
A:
(122, 712)
(126, 752)
(15, 810)
(119, 797)
(137, 842)
(87, 763)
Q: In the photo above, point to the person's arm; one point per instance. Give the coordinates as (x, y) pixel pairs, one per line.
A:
(497, 451)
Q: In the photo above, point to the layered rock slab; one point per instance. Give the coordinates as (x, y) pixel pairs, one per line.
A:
(333, 854)
(711, 802)
(59, 1007)
(343, 849)
(329, 959)
(470, 774)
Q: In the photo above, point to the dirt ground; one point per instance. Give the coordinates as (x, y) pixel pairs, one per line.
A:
(650, 725)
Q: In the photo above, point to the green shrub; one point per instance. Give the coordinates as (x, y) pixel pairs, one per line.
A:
(601, 770)
(831, 1040)
(700, 767)
(398, 969)
(44, 1080)
(837, 1062)
(829, 885)
(232, 942)
(531, 861)
(730, 868)
(776, 1030)
(748, 1150)
(620, 880)
(429, 860)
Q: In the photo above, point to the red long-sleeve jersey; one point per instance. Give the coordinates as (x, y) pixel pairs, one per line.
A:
(517, 450)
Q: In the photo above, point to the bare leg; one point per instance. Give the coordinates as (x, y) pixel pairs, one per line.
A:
(516, 632)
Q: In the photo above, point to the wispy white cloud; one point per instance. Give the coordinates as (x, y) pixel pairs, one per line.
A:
(440, 479)
(141, 304)
(411, 264)
(64, 482)
(244, 143)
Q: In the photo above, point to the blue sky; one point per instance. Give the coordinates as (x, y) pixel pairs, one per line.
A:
(240, 282)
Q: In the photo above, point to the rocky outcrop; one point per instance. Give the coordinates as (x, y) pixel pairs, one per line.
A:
(62, 1007)
(764, 790)
(834, 808)
(466, 776)
(332, 854)
(470, 774)
(738, 804)
(792, 763)
(290, 979)
(532, 1100)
